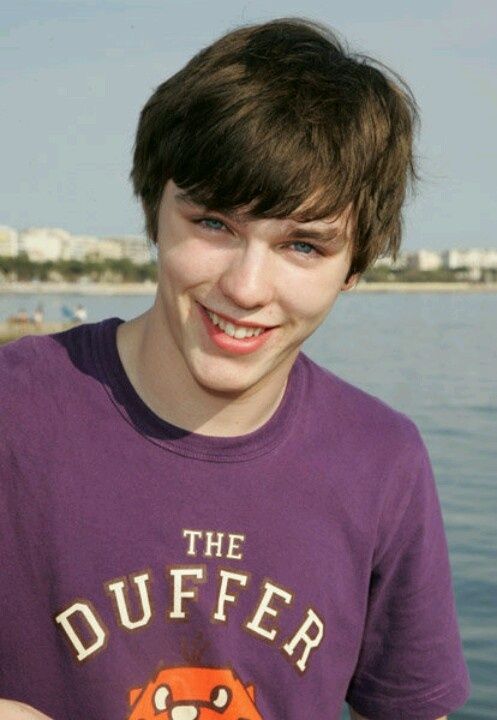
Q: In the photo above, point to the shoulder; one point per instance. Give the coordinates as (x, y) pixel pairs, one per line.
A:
(24, 364)
(376, 459)
(37, 357)
(359, 418)
(37, 373)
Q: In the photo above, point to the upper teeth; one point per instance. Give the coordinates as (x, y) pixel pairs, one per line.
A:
(238, 332)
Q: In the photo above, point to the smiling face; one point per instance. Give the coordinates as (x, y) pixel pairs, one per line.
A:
(277, 276)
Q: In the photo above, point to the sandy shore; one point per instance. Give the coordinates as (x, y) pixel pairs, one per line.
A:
(51, 288)
(426, 287)
(148, 288)
(13, 331)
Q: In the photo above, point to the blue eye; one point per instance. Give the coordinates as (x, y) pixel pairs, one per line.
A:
(308, 248)
(212, 223)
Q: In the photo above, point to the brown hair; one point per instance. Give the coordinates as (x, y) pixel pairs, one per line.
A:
(279, 116)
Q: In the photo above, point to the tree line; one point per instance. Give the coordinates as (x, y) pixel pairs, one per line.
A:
(22, 269)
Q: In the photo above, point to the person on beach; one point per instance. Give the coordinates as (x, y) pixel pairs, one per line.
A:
(198, 520)
(80, 314)
(38, 315)
(20, 317)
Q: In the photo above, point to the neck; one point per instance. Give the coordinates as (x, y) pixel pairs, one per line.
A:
(161, 378)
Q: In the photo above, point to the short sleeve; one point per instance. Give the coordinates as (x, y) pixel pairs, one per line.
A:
(411, 665)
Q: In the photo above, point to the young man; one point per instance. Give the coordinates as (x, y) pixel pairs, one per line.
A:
(200, 522)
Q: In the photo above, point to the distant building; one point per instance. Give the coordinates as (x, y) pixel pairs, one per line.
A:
(88, 247)
(133, 247)
(42, 244)
(473, 258)
(107, 249)
(9, 242)
(77, 247)
(424, 260)
(474, 263)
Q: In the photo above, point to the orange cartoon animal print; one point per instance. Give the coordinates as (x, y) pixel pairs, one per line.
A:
(194, 693)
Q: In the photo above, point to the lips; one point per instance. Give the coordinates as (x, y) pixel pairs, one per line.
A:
(232, 345)
(239, 323)
(240, 332)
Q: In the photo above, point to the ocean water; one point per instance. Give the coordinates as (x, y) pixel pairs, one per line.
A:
(434, 357)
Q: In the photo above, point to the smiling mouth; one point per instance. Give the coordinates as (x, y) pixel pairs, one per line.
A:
(239, 332)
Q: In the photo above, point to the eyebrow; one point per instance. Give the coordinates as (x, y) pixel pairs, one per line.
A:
(298, 233)
(184, 197)
(322, 236)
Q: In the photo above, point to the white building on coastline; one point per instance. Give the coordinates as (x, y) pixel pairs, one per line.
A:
(77, 247)
(472, 264)
(134, 247)
(43, 244)
(476, 263)
(475, 258)
(106, 249)
(9, 242)
(424, 260)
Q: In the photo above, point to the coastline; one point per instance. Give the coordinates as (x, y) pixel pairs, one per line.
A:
(148, 288)
(56, 288)
(426, 287)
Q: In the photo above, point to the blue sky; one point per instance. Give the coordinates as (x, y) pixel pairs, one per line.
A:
(74, 75)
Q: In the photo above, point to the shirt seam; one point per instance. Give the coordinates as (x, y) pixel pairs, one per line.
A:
(458, 682)
(166, 445)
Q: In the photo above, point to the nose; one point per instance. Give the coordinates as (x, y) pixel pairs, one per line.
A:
(247, 280)
(184, 712)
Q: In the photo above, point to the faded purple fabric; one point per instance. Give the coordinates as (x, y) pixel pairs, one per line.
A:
(308, 559)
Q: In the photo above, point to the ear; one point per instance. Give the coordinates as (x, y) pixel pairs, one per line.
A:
(351, 282)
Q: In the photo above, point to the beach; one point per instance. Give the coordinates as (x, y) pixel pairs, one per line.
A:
(13, 331)
(61, 288)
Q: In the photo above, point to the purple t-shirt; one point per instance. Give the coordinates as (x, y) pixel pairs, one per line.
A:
(150, 572)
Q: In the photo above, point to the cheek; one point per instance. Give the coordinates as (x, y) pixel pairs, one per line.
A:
(184, 265)
(311, 301)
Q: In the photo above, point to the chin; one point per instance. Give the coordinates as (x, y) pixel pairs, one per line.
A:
(223, 386)
(216, 381)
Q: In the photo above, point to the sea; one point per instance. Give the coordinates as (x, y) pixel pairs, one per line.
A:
(434, 357)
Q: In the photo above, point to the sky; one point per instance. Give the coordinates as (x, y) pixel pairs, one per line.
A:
(74, 75)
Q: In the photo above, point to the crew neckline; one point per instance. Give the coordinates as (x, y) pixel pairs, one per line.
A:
(236, 448)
